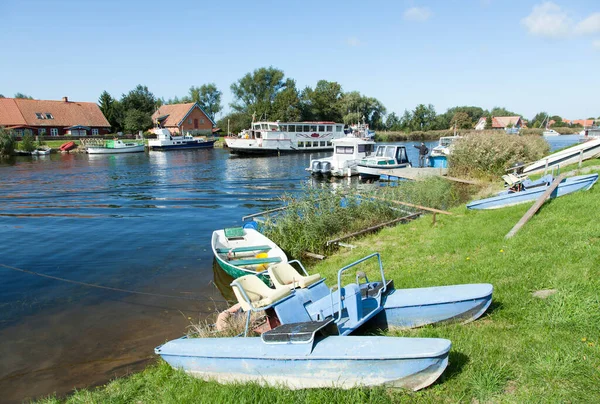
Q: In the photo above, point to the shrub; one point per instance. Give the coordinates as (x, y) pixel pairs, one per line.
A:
(488, 156)
(7, 143)
(27, 143)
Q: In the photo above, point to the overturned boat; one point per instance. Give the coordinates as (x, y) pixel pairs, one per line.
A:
(310, 342)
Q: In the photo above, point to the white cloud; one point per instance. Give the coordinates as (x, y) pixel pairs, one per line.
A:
(591, 25)
(353, 42)
(596, 45)
(419, 14)
(548, 20)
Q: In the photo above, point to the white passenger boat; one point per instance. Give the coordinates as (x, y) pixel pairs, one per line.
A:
(116, 146)
(166, 141)
(386, 157)
(347, 152)
(285, 137)
(439, 154)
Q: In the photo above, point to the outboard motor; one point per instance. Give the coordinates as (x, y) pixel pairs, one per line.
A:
(315, 167)
(326, 167)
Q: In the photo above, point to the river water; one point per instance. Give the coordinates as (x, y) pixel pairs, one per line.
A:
(138, 222)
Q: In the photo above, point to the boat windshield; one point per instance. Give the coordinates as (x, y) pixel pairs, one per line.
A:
(445, 142)
(386, 151)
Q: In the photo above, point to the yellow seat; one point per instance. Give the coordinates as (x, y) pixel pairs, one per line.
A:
(260, 295)
(284, 276)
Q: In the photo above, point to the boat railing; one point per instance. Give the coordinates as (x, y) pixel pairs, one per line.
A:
(339, 284)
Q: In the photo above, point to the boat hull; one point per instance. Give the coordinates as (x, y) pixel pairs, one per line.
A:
(209, 144)
(109, 150)
(438, 161)
(374, 173)
(335, 361)
(411, 308)
(567, 186)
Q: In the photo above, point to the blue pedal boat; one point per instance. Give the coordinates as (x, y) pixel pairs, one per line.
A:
(522, 190)
(311, 345)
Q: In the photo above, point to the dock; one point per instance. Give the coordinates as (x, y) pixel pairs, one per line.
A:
(419, 174)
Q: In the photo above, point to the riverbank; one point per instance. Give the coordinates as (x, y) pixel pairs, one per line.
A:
(538, 341)
(430, 135)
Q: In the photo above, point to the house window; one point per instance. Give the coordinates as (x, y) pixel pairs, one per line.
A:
(94, 132)
(49, 115)
(39, 115)
(41, 131)
(53, 132)
(201, 120)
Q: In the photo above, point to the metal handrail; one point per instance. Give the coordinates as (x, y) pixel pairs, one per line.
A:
(301, 266)
(339, 317)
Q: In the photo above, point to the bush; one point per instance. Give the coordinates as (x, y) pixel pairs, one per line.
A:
(7, 143)
(488, 156)
(27, 143)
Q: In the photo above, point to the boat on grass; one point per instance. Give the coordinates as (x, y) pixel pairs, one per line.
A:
(67, 146)
(310, 344)
(242, 251)
(522, 190)
(571, 155)
(166, 141)
(116, 146)
(439, 154)
(386, 157)
(347, 152)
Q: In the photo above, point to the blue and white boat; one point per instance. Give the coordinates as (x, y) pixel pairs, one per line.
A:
(312, 346)
(522, 190)
(438, 157)
(166, 141)
(386, 157)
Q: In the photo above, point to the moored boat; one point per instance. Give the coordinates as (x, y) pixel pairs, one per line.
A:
(116, 146)
(522, 190)
(285, 137)
(166, 141)
(347, 152)
(386, 157)
(241, 251)
(439, 154)
(583, 151)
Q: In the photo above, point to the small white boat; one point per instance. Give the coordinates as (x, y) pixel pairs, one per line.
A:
(347, 152)
(550, 132)
(240, 251)
(116, 146)
(166, 141)
(41, 151)
(583, 151)
(439, 154)
(387, 157)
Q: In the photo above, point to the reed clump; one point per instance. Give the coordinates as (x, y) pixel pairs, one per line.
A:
(488, 156)
(232, 325)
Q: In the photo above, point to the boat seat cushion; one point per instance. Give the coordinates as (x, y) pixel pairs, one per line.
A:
(234, 232)
(260, 295)
(284, 275)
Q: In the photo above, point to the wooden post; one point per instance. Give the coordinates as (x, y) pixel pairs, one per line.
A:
(536, 206)
(434, 213)
(580, 157)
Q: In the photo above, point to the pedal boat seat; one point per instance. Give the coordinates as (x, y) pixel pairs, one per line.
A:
(260, 295)
(284, 276)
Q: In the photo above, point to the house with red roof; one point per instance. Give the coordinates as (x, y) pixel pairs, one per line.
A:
(184, 118)
(52, 118)
(586, 123)
(500, 122)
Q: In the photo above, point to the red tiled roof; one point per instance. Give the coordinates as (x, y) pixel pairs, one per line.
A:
(176, 113)
(504, 121)
(64, 113)
(582, 122)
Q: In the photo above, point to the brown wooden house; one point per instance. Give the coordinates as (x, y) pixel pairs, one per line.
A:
(52, 118)
(184, 118)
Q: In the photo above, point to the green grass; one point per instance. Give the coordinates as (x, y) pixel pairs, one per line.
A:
(525, 349)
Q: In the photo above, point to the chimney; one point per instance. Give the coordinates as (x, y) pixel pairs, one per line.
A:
(65, 99)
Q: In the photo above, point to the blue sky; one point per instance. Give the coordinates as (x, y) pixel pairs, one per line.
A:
(527, 56)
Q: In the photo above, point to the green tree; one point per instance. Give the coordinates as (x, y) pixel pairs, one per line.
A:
(21, 95)
(255, 92)
(355, 107)
(393, 122)
(139, 98)
(287, 105)
(27, 142)
(7, 143)
(501, 111)
(538, 120)
(461, 120)
(237, 122)
(489, 122)
(208, 97)
(136, 120)
(423, 117)
(324, 102)
(112, 111)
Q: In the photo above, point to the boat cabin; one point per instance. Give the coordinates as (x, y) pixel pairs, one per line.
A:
(307, 134)
(390, 154)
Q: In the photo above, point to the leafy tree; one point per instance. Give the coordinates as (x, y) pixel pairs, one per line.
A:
(474, 114)
(356, 106)
(489, 122)
(423, 117)
(462, 120)
(136, 120)
(324, 102)
(256, 91)
(141, 99)
(237, 121)
(208, 97)
(500, 111)
(287, 105)
(112, 110)
(21, 95)
(405, 120)
(393, 122)
(7, 143)
(27, 142)
(538, 120)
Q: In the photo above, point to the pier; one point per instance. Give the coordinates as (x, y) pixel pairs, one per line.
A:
(419, 174)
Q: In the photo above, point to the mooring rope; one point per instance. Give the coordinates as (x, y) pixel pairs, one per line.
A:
(91, 285)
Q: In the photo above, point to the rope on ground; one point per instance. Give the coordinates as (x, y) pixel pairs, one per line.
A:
(91, 285)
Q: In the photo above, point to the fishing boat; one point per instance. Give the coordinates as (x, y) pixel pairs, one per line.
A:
(347, 152)
(386, 157)
(285, 137)
(311, 345)
(439, 154)
(242, 251)
(166, 141)
(522, 190)
(116, 146)
(574, 154)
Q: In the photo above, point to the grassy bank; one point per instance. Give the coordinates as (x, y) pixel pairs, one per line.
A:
(525, 349)
(389, 136)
